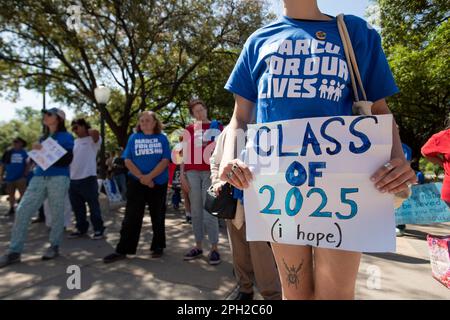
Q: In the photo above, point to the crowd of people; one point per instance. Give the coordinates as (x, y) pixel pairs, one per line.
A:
(211, 159)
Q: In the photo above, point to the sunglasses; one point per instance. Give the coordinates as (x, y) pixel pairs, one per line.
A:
(75, 127)
(49, 114)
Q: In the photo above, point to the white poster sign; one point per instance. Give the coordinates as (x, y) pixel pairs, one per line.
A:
(50, 153)
(312, 183)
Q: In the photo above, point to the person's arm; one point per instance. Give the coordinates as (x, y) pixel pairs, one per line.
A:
(65, 160)
(183, 179)
(160, 167)
(133, 169)
(94, 134)
(436, 160)
(215, 163)
(26, 172)
(430, 152)
(242, 115)
(396, 177)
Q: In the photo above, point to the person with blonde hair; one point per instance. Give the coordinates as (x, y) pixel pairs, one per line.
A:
(147, 156)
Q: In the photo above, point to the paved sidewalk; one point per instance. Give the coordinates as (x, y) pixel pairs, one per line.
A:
(405, 275)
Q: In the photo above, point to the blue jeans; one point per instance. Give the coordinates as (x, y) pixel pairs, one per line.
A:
(81, 192)
(121, 180)
(199, 182)
(40, 188)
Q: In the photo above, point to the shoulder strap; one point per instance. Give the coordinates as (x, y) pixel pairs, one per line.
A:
(351, 59)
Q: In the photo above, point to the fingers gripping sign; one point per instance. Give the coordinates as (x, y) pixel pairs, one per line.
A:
(237, 174)
(394, 177)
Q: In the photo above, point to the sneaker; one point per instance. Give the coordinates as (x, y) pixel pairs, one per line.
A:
(189, 220)
(76, 235)
(399, 232)
(51, 253)
(214, 258)
(113, 257)
(98, 235)
(38, 220)
(157, 253)
(9, 259)
(193, 254)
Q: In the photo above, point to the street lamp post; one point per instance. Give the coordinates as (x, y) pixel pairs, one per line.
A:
(44, 85)
(102, 94)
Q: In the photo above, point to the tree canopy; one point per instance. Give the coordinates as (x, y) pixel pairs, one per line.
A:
(27, 126)
(155, 54)
(416, 38)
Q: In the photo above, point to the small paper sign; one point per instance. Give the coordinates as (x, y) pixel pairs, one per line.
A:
(50, 153)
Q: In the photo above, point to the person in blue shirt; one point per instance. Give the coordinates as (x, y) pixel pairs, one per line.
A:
(407, 151)
(51, 184)
(147, 156)
(296, 68)
(15, 169)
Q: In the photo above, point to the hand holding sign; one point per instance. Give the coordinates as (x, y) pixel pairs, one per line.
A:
(237, 174)
(47, 153)
(36, 146)
(396, 176)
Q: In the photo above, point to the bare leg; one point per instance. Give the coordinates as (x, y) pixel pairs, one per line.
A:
(335, 273)
(22, 188)
(295, 268)
(12, 197)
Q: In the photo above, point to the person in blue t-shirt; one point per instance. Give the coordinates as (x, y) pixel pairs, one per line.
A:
(296, 68)
(147, 156)
(15, 167)
(51, 184)
(407, 151)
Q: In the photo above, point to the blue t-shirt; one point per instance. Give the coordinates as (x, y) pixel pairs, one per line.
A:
(420, 177)
(66, 141)
(407, 151)
(146, 152)
(290, 74)
(15, 167)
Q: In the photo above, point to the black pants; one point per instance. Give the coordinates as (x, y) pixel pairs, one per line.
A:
(138, 196)
(80, 192)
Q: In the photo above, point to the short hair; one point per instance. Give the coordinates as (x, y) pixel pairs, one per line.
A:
(158, 126)
(22, 141)
(81, 122)
(195, 102)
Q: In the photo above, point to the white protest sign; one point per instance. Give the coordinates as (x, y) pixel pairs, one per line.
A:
(312, 183)
(50, 153)
(112, 190)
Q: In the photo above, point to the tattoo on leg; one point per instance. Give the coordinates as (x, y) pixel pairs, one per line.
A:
(292, 276)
